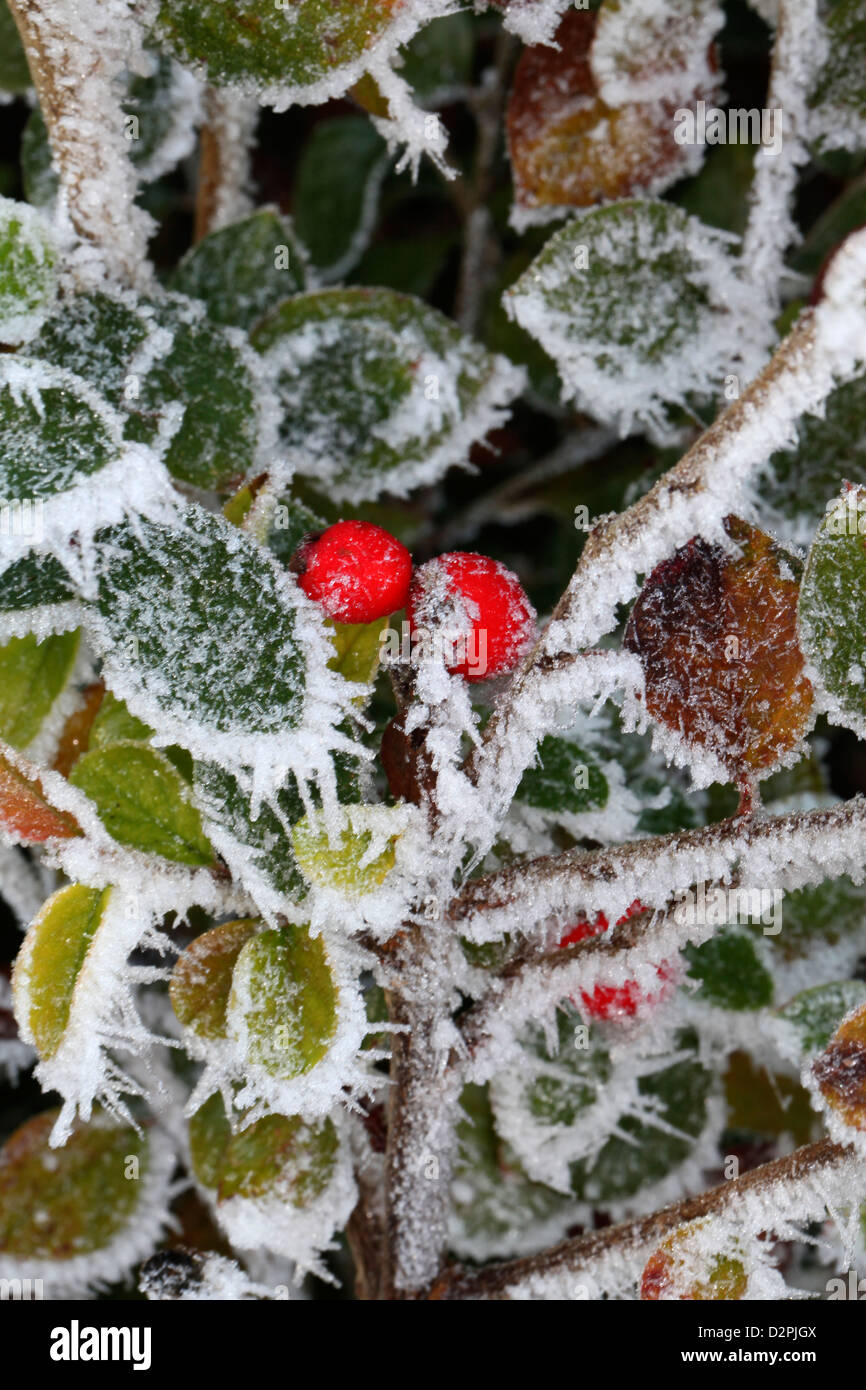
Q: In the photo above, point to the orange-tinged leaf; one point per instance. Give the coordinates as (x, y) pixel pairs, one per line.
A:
(840, 1070)
(75, 738)
(569, 148)
(202, 977)
(25, 810)
(683, 1268)
(716, 634)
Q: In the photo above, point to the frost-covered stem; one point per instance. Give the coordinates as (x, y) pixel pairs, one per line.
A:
(771, 228)
(779, 851)
(826, 346)
(227, 135)
(479, 247)
(784, 1185)
(76, 54)
(421, 1144)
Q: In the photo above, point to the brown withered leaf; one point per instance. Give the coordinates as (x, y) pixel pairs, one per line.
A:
(568, 148)
(716, 635)
(840, 1070)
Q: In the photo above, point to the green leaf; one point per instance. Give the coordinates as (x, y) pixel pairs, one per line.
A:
(32, 675)
(830, 448)
(635, 303)
(832, 610)
(53, 433)
(97, 336)
(50, 962)
(357, 647)
(816, 1013)
(280, 1151)
(719, 194)
(34, 581)
(143, 802)
(58, 1204)
(300, 44)
(28, 282)
(14, 71)
(730, 973)
(283, 1001)
(115, 724)
(200, 624)
(242, 271)
(437, 63)
(335, 217)
(202, 977)
(336, 860)
(564, 779)
(379, 392)
(253, 848)
(210, 373)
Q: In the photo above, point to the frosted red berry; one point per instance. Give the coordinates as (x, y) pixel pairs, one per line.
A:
(616, 1001)
(357, 571)
(478, 607)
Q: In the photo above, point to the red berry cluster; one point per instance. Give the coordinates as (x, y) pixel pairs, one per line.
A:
(616, 1001)
(358, 572)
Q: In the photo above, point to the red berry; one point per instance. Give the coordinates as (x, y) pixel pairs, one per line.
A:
(616, 1001)
(357, 571)
(478, 607)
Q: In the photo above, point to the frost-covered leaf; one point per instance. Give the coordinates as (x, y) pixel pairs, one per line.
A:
(797, 482)
(356, 860)
(378, 392)
(105, 339)
(28, 280)
(832, 610)
(242, 271)
(703, 1261)
(716, 634)
(637, 303)
(83, 1214)
(258, 850)
(48, 968)
(565, 778)
(32, 675)
(27, 813)
(283, 1002)
(643, 50)
(34, 582)
(730, 972)
(143, 802)
(224, 432)
(335, 217)
(816, 1013)
(115, 724)
(14, 72)
(837, 1078)
(202, 979)
(598, 1123)
(496, 1209)
(570, 145)
(300, 51)
(209, 643)
(281, 1183)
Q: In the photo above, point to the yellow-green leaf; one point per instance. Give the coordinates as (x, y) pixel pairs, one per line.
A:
(283, 1001)
(32, 675)
(50, 961)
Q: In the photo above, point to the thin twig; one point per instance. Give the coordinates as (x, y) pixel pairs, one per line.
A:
(222, 196)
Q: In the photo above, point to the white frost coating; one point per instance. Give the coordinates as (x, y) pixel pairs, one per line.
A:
(797, 54)
(301, 1233)
(786, 1207)
(408, 124)
(675, 36)
(81, 1275)
(102, 1013)
(535, 21)
(33, 284)
(614, 381)
(215, 1279)
(184, 101)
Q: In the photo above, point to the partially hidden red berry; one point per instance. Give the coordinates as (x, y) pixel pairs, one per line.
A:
(358, 572)
(477, 608)
(616, 1001)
